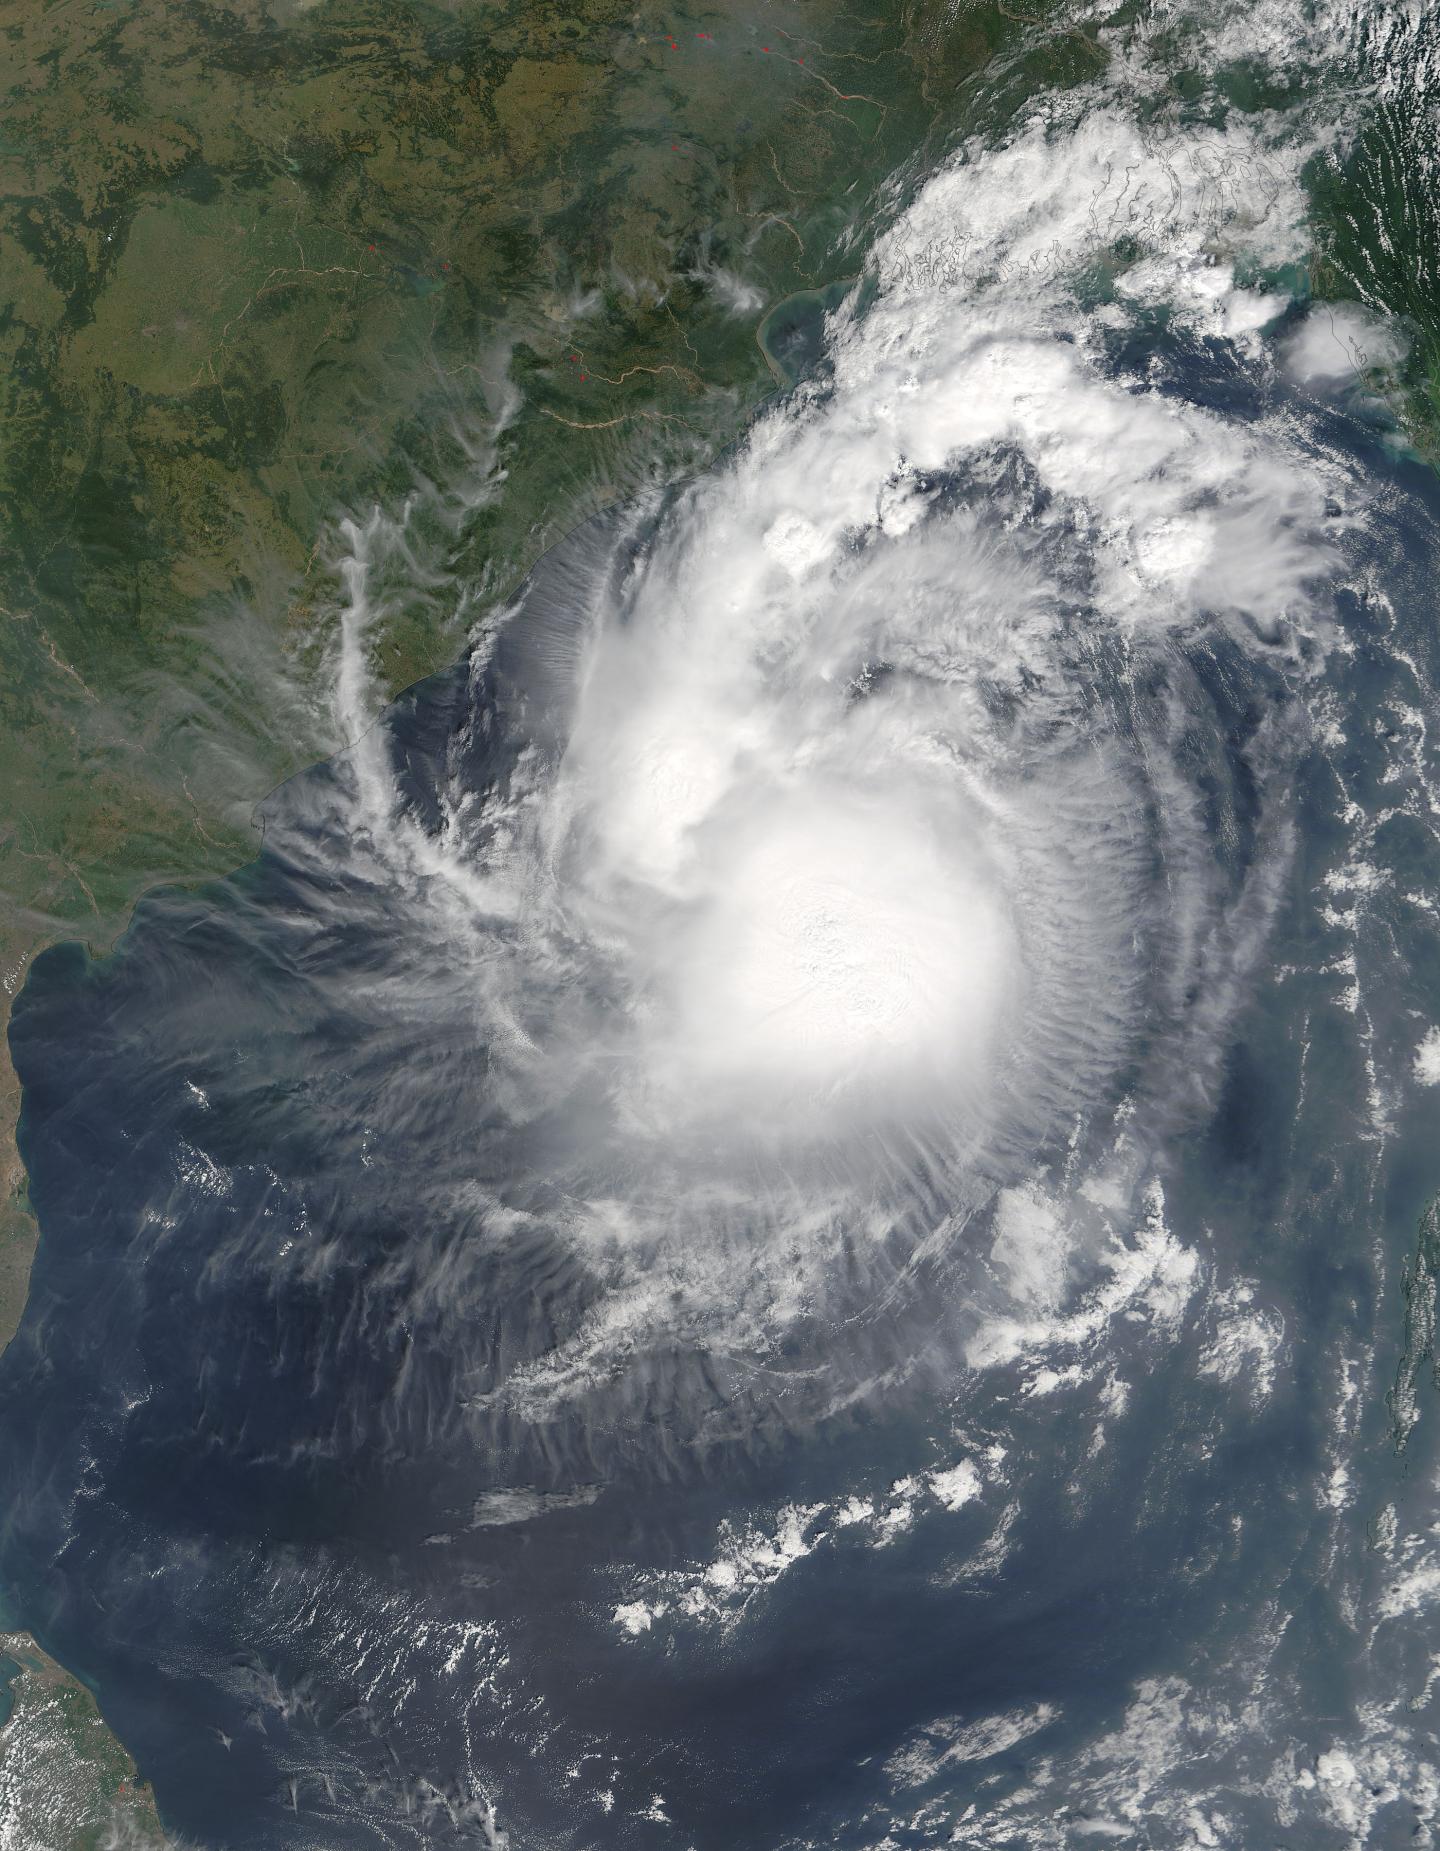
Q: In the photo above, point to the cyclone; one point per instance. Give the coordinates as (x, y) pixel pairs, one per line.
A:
(848, 864)
(783, 1212)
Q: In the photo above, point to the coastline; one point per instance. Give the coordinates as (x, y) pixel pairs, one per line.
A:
(66, 1783)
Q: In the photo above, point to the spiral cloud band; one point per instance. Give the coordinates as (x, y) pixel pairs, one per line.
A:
(869, 836)
(789, 1208)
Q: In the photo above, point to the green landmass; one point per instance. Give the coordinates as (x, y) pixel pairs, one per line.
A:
(66, 1784)
(263, 263)
(266, 261)
(1378, 242)
(1418, 1353)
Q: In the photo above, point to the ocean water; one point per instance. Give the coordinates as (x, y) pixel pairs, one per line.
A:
(479, 1385)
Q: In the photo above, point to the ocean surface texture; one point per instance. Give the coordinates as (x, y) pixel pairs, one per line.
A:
(792, 1208)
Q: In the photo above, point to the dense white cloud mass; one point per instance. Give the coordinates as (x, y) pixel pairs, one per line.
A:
(820, 1138)
(845, 792)
(1341, 342)
(860, 863)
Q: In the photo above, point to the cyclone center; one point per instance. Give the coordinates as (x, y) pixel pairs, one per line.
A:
(851, 944)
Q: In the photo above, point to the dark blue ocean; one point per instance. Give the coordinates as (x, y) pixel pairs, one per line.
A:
(334, 1588)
